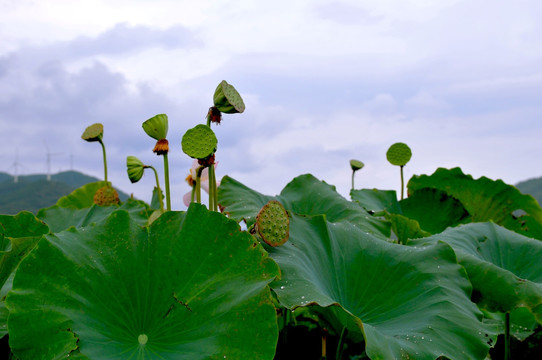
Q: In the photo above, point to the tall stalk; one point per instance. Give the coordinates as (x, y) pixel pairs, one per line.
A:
(160, 199)
(105, 160)
(166, 177)
(402, 182)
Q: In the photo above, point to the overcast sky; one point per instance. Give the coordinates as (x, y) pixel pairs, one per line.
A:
(323, 82)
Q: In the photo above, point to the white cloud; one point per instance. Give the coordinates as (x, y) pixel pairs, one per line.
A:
(324, 82)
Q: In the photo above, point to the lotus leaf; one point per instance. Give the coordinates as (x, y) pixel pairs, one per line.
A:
(504, 267)
(18, 234)
(304, 195)
(486, 199)
(407, 302)
(191, 285)
(61, 218)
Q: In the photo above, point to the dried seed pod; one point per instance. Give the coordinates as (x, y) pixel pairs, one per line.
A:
(106, 196)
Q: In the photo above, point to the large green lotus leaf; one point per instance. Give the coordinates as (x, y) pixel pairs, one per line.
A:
(61, 218)
(434, 210)
(384, 202)
(408, 302)
(375, 200)
(82, 197)
(486, 200)
(304, 195)
(19, 234)
(504, 267)
(190, 286)
(405, 228)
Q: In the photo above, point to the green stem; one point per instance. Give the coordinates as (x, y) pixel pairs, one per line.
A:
(160, 199)
(339, 353)
(166, 176)
(105, 160)
(198, 184)
(402, 182)
(353, 172)
(193, 192)
(213, 195)
(507, 336)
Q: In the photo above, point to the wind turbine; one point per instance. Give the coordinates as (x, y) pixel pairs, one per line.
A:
(49, 154)
(16, 165)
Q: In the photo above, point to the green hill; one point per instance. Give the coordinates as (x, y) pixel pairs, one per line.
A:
(532, 187)
(34, 192)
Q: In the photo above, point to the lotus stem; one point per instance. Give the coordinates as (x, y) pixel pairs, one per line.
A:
(198, 184)
(160, 199)
(507, 336)
(105, 161)
(402, 182)
(339, 352)
(213, 196)
(193, 192)
(166, 176)
(353, 172)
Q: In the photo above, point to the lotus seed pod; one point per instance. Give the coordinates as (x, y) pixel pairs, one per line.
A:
(273, 224)
(199, 142)
(399, 154)
(93, 133)
(356, 165)
(106, 196)
(227, 99)
(135, 168)
(156, 127)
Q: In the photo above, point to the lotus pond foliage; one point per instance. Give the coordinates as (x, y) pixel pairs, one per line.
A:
(451, 271)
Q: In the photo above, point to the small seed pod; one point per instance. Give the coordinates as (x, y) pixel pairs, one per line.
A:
(106, 196)
(356, 165)
(93, 133)
(135, 168)
(399, 154)
(227, 99)
(273, 224)
(156, 127)
(199, 142)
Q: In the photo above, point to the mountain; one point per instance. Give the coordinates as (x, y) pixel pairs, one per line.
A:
(532, 187)
(34, 192)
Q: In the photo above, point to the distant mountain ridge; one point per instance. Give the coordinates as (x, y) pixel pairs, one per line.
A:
(532, 187)
(34, 192)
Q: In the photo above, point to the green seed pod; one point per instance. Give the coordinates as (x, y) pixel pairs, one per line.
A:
(399, 154)
(199, 142)
(356, 165)
(227, 99)
(135, 168)
(156, 127)
(93, 133)
(273, 224)
(106, 196)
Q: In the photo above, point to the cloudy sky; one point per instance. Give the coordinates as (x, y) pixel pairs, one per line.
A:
(459, 81)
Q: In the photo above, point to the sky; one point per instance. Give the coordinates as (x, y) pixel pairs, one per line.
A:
(459, 81)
